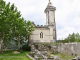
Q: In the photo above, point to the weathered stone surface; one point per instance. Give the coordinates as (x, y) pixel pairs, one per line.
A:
(33, 48)
(30, 57)
(16, 52)
(44, 52)
(69, 48)
(76, 58)
(46, 47)
(38, 53)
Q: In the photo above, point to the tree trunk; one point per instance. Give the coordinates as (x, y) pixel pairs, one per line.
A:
(28, 40)
(1, 46)
(19, 44)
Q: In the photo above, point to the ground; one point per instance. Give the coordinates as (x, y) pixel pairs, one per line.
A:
(10, 55)
(63, 56)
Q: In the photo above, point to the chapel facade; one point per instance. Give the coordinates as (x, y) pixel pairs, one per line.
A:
(46, 33)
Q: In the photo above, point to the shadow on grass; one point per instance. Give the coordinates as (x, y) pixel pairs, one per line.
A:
(9, 55)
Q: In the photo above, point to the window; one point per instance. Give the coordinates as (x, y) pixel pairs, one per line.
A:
(41, 35)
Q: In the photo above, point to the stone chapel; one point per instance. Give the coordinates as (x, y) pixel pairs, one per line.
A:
(46, 33)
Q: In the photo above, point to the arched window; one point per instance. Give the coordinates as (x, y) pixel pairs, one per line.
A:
(41, 35)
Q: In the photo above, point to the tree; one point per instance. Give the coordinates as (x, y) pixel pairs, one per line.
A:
(8, 15)
(17, 31)
(30, 28)
(74, 37)
(22, 30)
(12, 26)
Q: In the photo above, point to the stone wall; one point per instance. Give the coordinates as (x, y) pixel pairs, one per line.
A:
(46, 47)
(43, 52)
(69, 48)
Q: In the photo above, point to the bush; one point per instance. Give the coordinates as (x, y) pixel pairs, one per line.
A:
(26, 48)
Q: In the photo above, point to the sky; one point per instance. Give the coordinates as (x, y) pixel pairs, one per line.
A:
(67, 14)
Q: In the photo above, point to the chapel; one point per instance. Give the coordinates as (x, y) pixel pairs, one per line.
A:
(46, 33)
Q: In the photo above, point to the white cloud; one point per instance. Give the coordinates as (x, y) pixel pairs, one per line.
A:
(67, 14)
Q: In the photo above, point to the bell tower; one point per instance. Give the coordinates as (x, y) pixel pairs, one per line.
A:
(50, 21)
(50, 13)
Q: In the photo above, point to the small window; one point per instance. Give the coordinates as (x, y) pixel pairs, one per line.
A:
(41, 35)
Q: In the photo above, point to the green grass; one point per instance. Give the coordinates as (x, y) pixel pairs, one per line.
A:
(55, 54)
(15, 58)
(46, 43)
(63, 56)
(9, 55)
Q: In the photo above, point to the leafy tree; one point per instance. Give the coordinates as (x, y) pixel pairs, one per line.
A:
(8, 16)
(29, 29)
(74, 37)
(12, 27)
(77, 37)
(17, 31)
(22, 31)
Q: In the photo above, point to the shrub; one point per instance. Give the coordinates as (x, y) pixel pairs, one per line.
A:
(26, 48)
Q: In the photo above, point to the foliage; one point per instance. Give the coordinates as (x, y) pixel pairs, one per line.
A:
(49, 54)
(22, 32)
(12, 26)
(74, 37)
(29, 28)
(11, 45)
(8, 18)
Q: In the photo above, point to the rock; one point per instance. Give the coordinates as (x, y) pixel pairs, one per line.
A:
(33, 48)
(35, 56)
(44, 52)
(16, 52)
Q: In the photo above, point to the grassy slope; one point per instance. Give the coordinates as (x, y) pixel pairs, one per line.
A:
(63, 56)
(9, 55)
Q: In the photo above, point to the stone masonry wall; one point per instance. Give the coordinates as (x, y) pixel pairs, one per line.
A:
(69, 48)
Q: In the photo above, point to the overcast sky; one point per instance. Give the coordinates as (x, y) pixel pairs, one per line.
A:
(67, 14)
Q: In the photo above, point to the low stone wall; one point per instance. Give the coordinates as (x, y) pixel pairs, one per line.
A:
(69, 48)
(42, 54)
(46, 47)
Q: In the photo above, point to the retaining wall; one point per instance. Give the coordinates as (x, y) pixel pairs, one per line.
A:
(69, 48)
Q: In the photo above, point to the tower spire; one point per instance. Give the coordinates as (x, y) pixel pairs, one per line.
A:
(49, 0)
(49, 4)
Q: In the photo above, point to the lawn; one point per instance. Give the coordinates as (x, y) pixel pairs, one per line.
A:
(63, 56)
(9, 55)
